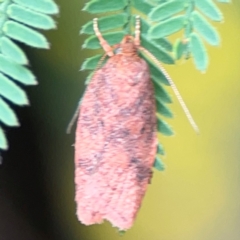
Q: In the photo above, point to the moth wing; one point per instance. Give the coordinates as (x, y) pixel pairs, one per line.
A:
(115, 143)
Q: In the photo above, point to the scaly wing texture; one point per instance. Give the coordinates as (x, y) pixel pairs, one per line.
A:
(115, 142)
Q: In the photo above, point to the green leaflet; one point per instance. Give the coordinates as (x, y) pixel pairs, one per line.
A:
(16, 71)
(12, 92)
(224, 1)
(12, 51)
(158, 164)
(179, 49)
(145, 25)
(3, 140)
(156, 73)
(164, 128)
(44, 6)
(166, 10)
(31, 18)
(160, 149)
(7, 116)
(106, 23)
(164, 43)
(161, 42)
(199, 52)
(103, 6)
(167, 27)
(207, 31)
(112, 38)
(162, 108)
(89, 78)
(209, 8)
(142, 6)
(91, 63)
(156, 50)
(24, 34)
(161, 92)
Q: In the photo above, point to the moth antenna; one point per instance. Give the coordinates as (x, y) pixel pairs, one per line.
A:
(174, 87)
(99, 64)
(137, 31)
(74, 118)
(106, 47)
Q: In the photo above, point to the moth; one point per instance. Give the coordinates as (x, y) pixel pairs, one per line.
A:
(116, 135)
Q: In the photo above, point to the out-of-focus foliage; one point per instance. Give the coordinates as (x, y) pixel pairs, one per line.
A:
(19, 21)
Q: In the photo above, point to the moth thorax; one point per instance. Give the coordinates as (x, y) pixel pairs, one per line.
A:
(128, 48)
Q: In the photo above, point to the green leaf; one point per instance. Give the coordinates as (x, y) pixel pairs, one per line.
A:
(103, 6)
(167, 27)
(29, 17)
(160, 149)
(162, 108)
(112, 38)
(207, 31)
(224, 1)
(179, 48)
(142, 6)
(16, 71)
(161, 92)
(156, 73)
(12, 51)
(12, 92)
(145, 25)
(160, 77)
(3, 140)
(44, 6)
(106, 23)
(156, 50)
(7, 116)
(199, 52)
(158, 164)
(164, 43)
(209, 8)
(91, 63)
(89, 78)
(164, 128)
(166, 10)
(24, 34)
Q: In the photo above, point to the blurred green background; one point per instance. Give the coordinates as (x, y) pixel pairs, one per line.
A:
(196, 198)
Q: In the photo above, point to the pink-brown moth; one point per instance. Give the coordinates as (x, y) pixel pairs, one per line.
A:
(116, 135)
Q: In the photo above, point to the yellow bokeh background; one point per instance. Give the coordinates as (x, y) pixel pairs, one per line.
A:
(197, 197)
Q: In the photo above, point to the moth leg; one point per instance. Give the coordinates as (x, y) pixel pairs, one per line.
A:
(137, 31)
(106, 47)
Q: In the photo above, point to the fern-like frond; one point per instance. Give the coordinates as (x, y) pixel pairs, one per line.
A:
(191, 16)
(19, 20)
(159, 19)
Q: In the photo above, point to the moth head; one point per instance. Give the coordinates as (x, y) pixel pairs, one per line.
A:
(127, 46)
